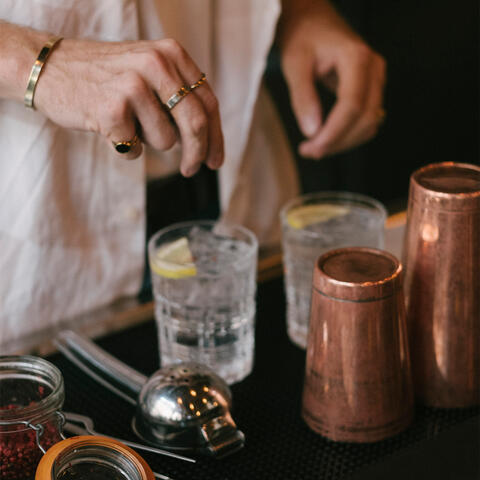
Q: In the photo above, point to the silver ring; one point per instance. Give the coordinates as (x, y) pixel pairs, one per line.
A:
(177, 97)
(184, 91)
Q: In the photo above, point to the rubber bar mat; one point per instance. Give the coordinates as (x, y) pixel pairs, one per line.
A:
(266, 408)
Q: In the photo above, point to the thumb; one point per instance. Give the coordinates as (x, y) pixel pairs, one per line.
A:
(304, 98)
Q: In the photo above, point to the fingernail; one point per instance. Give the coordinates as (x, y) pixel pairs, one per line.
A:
(217, 162)
(192, 171)
(303, 151)
(306, 151)
(309, 125)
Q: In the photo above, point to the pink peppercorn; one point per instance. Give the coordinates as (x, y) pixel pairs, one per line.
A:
(19, 452)
(31, 391)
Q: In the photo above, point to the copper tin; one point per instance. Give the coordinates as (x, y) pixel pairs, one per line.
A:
(357, 382)
(442, 283)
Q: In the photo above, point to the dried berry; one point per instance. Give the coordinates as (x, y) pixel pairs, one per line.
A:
(19, 452)
(31, 390)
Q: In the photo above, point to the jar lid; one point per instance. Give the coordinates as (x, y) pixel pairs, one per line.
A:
(357, 274)
(86, 457)
(447, 186)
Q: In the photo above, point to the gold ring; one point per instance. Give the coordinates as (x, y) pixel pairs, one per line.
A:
(201, 81)
(184, 91)
(381, 114)
(125, 147)
(177, 97)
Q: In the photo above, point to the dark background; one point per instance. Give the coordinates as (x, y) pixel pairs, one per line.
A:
(431, 97)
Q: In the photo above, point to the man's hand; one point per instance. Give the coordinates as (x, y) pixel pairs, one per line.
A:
(317, 44)
(118, 90)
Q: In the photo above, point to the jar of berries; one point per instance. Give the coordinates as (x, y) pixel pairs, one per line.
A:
(31, 398)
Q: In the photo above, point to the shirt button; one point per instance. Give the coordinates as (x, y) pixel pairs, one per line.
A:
(132, 214)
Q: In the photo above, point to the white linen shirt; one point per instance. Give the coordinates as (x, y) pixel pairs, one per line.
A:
(72, 214)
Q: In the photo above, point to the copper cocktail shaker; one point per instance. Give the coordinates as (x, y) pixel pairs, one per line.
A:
(357, 382)
(442, 283)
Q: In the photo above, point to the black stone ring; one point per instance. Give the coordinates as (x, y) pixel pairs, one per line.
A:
(125, 147)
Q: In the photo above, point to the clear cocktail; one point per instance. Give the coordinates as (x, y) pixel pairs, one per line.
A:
(204, 282)
(313, 224)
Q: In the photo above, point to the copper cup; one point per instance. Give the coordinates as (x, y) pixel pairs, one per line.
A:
(357, 383)
(442, 283)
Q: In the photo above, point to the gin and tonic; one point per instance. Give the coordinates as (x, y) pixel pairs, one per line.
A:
(313, 224)
(204, 282)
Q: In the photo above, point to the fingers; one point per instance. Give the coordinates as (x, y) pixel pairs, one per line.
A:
(304, 99)
(120, 128)
(373, 114)
(167, 69)
(156, 71)
(354, 117)
(215, 153)
(192, 122)
(156, 127)
(352, 71)
(190, 73)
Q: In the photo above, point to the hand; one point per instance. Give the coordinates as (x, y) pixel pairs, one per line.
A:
(117, 90)
(316, 44)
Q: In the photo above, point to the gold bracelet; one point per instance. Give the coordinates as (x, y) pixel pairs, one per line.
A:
(37, 70)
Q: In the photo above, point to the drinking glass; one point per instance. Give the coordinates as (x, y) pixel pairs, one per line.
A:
(204, 283)
(313, 224)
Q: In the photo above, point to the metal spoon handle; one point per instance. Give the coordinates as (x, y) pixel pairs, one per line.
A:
(76, 430)
(94, 357)
(159, 451)
(162, 477)
(82, 366)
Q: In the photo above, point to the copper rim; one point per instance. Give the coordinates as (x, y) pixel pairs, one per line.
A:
(435, 198)
(381, 282)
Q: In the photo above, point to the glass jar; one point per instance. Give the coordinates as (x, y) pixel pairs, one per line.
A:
(92, 457)
(31, 398)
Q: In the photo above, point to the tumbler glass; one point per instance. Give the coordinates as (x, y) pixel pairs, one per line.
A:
(313, 224)
(204, 283)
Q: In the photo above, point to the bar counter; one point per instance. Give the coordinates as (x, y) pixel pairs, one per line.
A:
(440, 444)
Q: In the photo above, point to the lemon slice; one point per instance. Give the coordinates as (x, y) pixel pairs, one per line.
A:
(174, 260)
(305, 215)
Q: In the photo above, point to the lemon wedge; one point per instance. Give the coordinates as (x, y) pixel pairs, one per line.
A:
(174, 260)
(305, 215)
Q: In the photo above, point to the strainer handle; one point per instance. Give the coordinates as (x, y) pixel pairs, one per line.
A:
(95, 359)
(222, 436)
